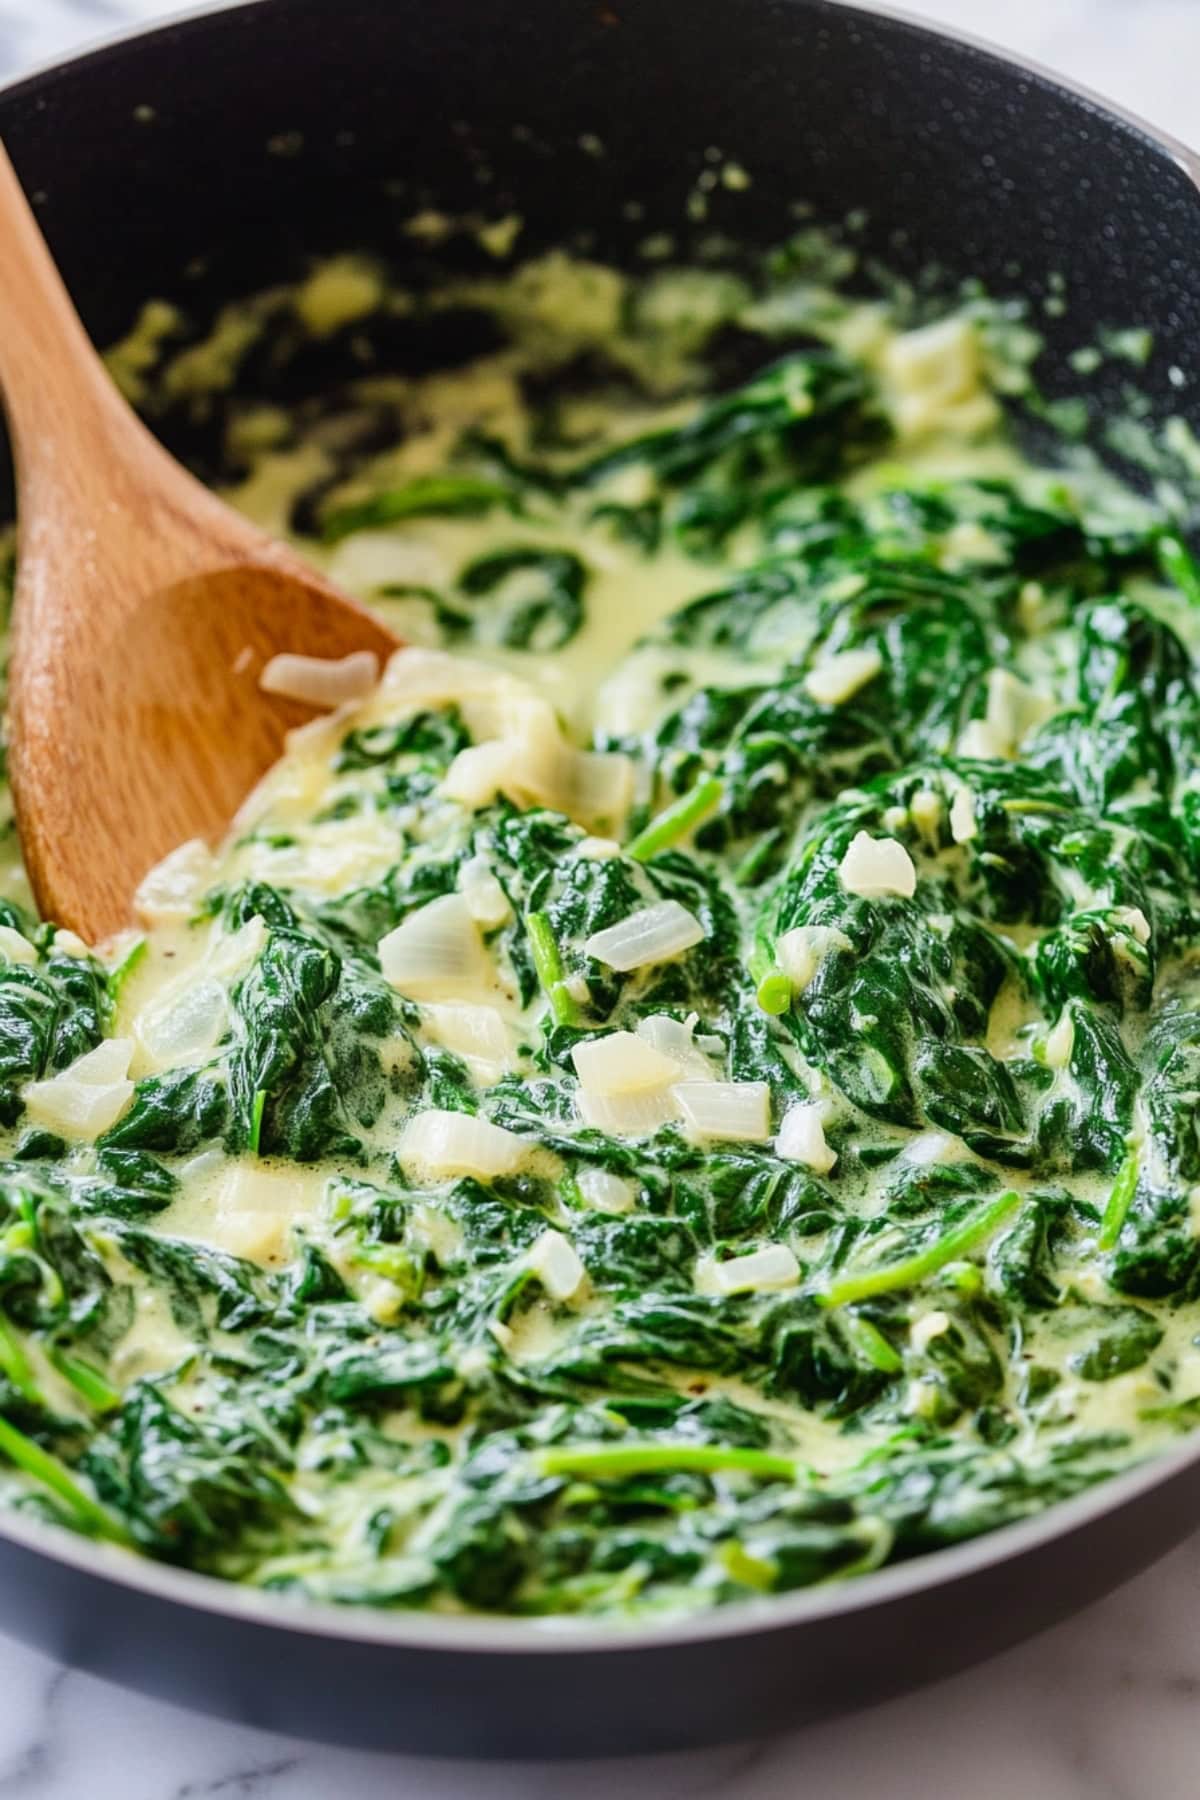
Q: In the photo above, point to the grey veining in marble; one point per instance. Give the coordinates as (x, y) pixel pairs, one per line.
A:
(1106, 1707)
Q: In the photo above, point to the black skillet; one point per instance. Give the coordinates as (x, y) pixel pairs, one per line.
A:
(208, 156)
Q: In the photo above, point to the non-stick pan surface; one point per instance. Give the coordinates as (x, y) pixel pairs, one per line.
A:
(201, 159)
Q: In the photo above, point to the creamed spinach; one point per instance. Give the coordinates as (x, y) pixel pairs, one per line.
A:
(689, 1087)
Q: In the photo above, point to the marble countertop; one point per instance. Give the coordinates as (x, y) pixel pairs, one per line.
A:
(1106, 1707)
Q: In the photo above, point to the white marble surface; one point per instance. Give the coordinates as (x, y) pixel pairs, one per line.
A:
(1106, 1707)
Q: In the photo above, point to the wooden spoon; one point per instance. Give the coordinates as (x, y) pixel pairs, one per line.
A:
(145, 610)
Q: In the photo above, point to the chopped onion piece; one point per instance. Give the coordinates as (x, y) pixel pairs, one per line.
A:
(109, 1061)
(15, 948)
(555, 1261)
(1013, 709)
(802, 1137)
(774, 1266)
(256, 1206)
(653, 935)
(173, 888)
(321, 680)
(1060, 1042)
(477, 1034)
(437, 953)
(88, 1096)
(233, 954)
(627, 1115)
(620, 1063)
(674, 1038)
(839, 677)
(876, 866)
(605, 1191)
(440, 1144)
(963, 825)
(425, 679)
(738, 1110)
(922, 1331)
(521, 752)
(1134, 920)
(183, 1024)
(480, 772)
(931, 1147)
(925, 811)
(486, 900)
(801, 951)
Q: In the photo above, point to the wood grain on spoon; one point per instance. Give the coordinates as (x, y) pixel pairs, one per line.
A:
(145, 611)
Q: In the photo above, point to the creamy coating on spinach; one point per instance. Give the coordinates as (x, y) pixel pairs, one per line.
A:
(688, 1089)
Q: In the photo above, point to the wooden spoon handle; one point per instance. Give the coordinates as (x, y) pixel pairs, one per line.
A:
(57, 393)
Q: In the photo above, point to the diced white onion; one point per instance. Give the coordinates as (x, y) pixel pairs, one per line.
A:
(801, 951)
(876, 866)
(520, 751)
(15, 948)
(963, 824)
(839, 677)
(981, 742)
(620, 1063)
(440, 1144)
(88, 1096)
(255, 1207)
(739, 1110)
(922, 1331)
(479, 773)
(774, 1266)
(969, 542)
(925, 811)
(627, 1115)
(486, 900)
(321, 680)
(437, 953)
(931, 372)
(653, 935)
(605, 1191)
(231, 956)
(184, 1023)
(477, 1034)
(1013, 709)
(931, 1147)
(173, 888)
(1134, 920)
(802, 1137)
(109, 1061)
(555, 1261)
(1060, 1042)
(421, 680)
(675, 1038)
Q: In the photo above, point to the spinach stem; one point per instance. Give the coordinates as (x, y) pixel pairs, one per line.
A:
(16, 1365)
(648, 1458)
(124, 969)
(256, 1120)
(53, 1474)
(1179, 566)
(913, 1269)
(676, 819)
(547, 960)
(870, 1341)
(86, 1380)
(1118, 1203)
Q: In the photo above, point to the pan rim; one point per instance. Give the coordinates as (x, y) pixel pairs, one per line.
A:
(481, 1634)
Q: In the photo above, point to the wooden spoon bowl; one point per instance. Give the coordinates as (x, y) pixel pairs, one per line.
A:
(145, 612)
